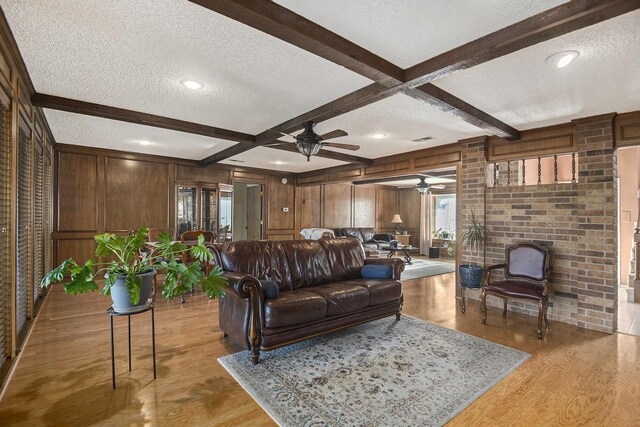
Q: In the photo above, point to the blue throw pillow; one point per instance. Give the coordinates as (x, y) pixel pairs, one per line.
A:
(270, 289)
(376, 271)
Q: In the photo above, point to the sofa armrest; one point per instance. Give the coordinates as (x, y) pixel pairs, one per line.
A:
(383, 237)
(396, 264)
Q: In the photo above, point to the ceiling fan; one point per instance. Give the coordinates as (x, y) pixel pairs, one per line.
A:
(309, 143)
(424, 187)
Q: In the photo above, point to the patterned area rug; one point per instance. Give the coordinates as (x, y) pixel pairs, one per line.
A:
(383, 373)
(425, 268)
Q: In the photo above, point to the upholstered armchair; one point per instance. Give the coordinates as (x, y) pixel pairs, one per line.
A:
(526, 273)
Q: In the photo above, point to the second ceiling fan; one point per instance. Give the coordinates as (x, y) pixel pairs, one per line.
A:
(309, 143)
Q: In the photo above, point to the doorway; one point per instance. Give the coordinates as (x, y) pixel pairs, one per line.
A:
(248, 211)
(628, 218)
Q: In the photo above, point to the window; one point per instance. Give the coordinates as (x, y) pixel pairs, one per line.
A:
(443, 216)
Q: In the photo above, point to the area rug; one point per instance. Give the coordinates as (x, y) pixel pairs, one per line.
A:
(425, 268)
(383, 373)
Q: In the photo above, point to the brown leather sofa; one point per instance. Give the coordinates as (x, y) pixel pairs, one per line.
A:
(367, 236)
(321, 290)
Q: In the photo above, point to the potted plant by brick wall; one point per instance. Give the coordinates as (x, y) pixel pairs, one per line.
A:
(473, 237)
(129, 265)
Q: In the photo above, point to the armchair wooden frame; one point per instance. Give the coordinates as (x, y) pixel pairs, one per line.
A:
(526, 277)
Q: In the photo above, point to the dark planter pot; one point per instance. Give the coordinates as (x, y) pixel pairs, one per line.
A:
(120, 295)
(434, 252)
(470, 276)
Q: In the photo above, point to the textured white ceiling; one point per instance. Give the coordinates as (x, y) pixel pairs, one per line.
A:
(133, 54)
(402, 119)
(525, 92)
(266, 158)
(410, 31)
(77, 129)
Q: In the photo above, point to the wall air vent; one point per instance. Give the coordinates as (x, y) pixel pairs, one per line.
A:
(424, 138)
(237, 161)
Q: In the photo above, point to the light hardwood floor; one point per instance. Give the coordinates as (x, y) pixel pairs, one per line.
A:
(63, 377)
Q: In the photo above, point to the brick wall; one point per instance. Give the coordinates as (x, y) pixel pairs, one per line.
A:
(576, 220)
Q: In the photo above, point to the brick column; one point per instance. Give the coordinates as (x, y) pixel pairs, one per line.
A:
(473, 188)
(597, 254)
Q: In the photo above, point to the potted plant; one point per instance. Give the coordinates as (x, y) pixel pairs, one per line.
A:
(129, 266)
(473, 237)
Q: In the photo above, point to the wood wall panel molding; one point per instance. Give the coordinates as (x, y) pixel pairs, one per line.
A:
(386, 207)
(127, 206)
(546, 141)
(308, 205)
(281, 236)
(249, 175)
(310, 179)
(397, 166)
(627, 129)
(77, 189)
(438, 160)
(349, 174)
(79, 249)
(200, 174)
(337, 205)
(279, 196)
(364, 206)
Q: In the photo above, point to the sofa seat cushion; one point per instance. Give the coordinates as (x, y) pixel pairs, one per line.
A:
(294, 307)
(381, 291)
(342, 297)
(516, 289)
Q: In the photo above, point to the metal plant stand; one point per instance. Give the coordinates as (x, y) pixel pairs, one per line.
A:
(112, 314)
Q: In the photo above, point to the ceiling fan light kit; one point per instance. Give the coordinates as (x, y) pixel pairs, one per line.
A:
(308, 148)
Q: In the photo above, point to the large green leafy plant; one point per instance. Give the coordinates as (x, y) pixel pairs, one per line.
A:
(132, 255)
(474, 235)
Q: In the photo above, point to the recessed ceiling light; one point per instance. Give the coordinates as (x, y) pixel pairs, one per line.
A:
(378, 135)
(143, 142)
(562, 59)
(279, 162)
(191, 84)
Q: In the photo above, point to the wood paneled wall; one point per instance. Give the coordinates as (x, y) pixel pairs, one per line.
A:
(409, 210)
(110, 191)
(346, 205)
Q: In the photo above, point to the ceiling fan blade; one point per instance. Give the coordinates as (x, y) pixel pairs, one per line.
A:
(351, 147)
(278, 142)
(438, 186)
(333, 134)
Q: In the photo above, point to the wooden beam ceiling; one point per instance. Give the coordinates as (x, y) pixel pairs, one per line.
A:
(283, 24)
(349, 158)
(120, 114)
(113, 113)
(447, 102)
(264, 16)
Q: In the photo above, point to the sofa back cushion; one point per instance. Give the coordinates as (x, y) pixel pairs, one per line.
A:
(345, 256)
(257, 257)
(367, 234)
(308, 263)
(351, 232)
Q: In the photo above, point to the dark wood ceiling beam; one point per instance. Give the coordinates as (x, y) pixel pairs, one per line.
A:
(367, 95)
(450, 104)
(544, 26)
(333, 155)
(282, 23)
(120, 114)
(560, 20)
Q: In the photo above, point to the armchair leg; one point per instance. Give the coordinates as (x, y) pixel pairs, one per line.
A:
(255, 356)
(546, 308)
(504, 312)
(540, 316)
(483, 305)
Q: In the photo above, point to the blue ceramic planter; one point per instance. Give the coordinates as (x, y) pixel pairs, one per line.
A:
(470, 276)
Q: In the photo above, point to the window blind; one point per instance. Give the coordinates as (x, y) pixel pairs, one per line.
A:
(38, 223)
(47, 213)
(23, 236)
(5, 223)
